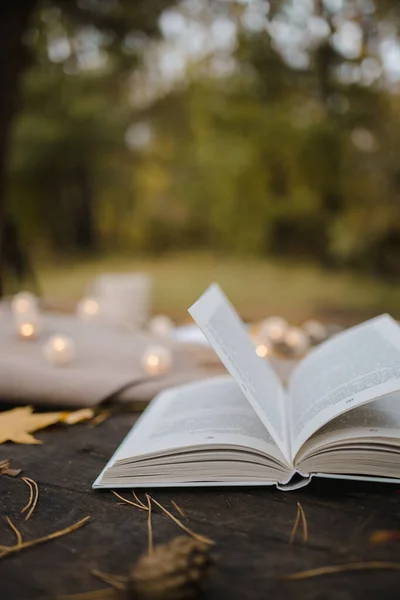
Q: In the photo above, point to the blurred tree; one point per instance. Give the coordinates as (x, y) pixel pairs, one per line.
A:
(117, 20)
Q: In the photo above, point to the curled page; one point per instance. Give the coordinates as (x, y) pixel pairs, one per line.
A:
(355, 367)
(227, 334)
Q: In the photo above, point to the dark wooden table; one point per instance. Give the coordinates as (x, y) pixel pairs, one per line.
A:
(251, 527)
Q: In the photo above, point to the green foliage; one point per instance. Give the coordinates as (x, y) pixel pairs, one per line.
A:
(269, 159)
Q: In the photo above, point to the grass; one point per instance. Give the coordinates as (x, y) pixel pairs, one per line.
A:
(256, 287)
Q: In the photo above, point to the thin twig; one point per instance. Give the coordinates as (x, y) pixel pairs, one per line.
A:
(129, 501)
(295, 526)
(357, 566)
(196, 536)
(180, 511)
(138, 499)
(31, 482)
(149, 525)
(52, 536)
(28, 483)
(116, 581)
(16, 531)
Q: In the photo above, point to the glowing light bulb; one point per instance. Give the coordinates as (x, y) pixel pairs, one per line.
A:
(262, 350)
(27, 330)
(59, 350)
(161, 325)
(88, 309)
(296, 341)
(157, 360)
(24, 303)
(273, 329)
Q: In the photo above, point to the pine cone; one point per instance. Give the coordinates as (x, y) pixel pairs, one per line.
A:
(174, 571)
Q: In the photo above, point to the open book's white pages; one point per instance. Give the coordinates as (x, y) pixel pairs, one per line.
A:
(353, 368)
(205, 431)
(223, 328)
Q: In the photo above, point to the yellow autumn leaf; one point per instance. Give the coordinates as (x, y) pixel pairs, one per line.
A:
(18, 424)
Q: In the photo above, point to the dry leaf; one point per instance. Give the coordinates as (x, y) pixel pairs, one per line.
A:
(18, 424)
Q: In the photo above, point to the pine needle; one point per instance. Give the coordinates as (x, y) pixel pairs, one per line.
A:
(4, 463)
(141, 505)
(295, 526)
(300, 515)
(28, 483)
(357, 566)
(16, 531)
(304, 523)
(196, 536)
(149, 525)
(99, 418)
(138, 499)
(6, 550)
(33, 496)
(104, 594)
(180, 511)
(116, 581)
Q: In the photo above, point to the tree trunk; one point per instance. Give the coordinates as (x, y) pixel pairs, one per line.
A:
(14, 19)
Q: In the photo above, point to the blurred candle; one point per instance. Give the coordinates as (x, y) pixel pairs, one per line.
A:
(157, 360)
(161, 325)
(59, 350)
(88, 309)
(24, 303)
(273, 329)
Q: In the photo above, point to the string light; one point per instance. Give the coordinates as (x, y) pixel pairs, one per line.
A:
(27, 330)
(157, 360)
(88, 309)
(59, 350)
(161, 325)
(24, 303)
(296, 341)
(262, 350)
(273, 329)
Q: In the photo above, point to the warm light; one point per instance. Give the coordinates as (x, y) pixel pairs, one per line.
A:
(88, 308)
(157, 360)
(59, 350)
(59, 344)
(273, 329)
(296, 341)
(153, 360)
(27, 330)
(161, 325)
(91, 307)
(24, 303)
(262, 350)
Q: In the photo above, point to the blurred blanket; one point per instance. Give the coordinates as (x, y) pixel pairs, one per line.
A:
(107, 364)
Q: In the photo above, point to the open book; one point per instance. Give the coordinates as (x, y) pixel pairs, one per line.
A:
(338, 417)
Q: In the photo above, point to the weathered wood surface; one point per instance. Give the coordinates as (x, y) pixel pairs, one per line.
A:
(251, 527)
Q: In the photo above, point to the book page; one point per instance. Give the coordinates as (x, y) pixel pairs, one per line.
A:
(227, 334)
(375, 421)
(212, 412)
(351, 369)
